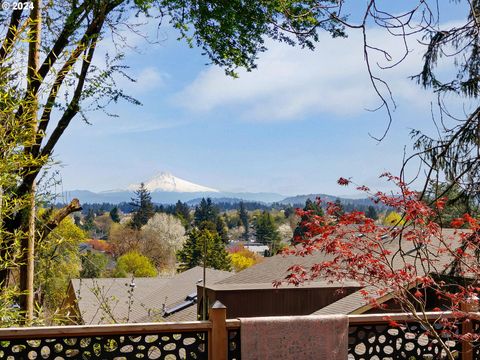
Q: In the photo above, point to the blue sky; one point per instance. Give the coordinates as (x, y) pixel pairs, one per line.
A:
(292, 126)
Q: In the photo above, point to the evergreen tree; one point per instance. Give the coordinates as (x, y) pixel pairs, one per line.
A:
(208, 225)
(266, 231)
(340, 208)
(114, 215)
(206, 211)
(182, 211)
(289, 210)
(88, 223)
(314, 209)
(145, 209)
(457, 202)
(194, 254)
(371, 213)
(243, 215)
(221, 229)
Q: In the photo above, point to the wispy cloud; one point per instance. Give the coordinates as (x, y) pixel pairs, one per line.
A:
(146, 80)
(143, 126)
(291, 82)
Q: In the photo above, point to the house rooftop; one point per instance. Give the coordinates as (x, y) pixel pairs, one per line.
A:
(109, 300)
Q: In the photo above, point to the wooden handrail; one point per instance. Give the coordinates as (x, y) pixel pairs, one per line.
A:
(102, 330)
(382, 318)
(233, 324)
(146, 328)
(217, 328)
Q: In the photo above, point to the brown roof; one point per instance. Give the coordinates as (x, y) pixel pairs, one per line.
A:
(266, 286)
(110, 300)
(271, 269)
(354, 303)
(262, 275)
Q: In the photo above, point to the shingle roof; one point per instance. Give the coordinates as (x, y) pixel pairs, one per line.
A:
(349, 304)
(177, 289)
(261, 276)
(356, 303)
(109, 300)
(271, 269)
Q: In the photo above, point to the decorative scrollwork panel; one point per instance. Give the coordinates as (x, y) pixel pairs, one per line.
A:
(375, 342)
(164, 346)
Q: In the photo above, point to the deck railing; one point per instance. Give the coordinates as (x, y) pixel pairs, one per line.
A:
(404, 337)
(370, 336)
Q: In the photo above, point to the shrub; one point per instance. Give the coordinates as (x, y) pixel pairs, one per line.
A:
(135, 264)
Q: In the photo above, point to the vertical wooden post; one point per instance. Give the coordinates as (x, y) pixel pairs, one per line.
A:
(218, 341)
(467, 327)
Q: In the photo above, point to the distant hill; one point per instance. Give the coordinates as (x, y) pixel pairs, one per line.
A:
(167, 189)
(193, 199)
(169, 197)
(299, 200)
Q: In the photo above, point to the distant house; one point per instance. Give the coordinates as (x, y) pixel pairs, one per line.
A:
(258, 249)
(112, 300)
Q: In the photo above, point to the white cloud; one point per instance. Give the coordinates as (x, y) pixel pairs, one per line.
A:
(147, 79)
(292, 82)
(150, 78)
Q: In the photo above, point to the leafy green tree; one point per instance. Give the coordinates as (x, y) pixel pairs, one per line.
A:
(243, 215)
(58, 261)
(93, 264)
(143, 204)
(204, 247)
(231, 220)
(136, 264)
(103, 224)
(266, 231)
(115, 215)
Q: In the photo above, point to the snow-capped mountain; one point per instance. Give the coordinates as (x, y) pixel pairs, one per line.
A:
(170, 183)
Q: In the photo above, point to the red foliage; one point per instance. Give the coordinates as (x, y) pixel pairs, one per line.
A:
(100, 245)
(403, 260)
(342, 181)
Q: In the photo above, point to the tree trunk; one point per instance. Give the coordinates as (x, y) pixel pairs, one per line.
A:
(27, 266)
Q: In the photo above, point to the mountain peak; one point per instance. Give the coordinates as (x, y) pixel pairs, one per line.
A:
(165, 181)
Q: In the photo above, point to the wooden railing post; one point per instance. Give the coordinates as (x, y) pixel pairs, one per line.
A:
(467, 327)
(218, 341)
